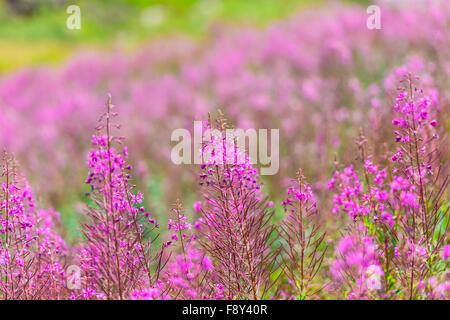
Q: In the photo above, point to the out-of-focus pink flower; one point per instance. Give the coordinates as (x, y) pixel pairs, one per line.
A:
(197, 206)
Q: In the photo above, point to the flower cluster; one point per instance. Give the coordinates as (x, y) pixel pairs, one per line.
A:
(188, 276)
(120, 230)
(31, 252)
(395, 202)
(357, 267)
(391, 241)
(384, 218)
(235, 229)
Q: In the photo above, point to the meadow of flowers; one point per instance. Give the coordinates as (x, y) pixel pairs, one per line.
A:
(358, 210)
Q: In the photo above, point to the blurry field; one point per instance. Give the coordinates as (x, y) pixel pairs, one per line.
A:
(314, 69)
(33, 32)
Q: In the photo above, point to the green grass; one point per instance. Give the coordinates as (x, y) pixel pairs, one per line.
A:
(44, 38)
(103, 20)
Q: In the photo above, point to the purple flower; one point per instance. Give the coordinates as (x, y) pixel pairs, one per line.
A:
(446, 252)
(197, 206)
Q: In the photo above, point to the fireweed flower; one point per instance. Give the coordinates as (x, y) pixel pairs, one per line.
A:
(197, 206)
(235, 232)
(219, 291)
(188, 275)
(356, 267)
(415, 179)
(148, 294)
(31, 252)
(395, 204)
(446, 252)
(304, 248)
(117, 257)
(179, 226)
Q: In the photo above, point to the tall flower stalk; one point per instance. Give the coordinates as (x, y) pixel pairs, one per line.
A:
(31, 253)
(118, 256)
(236, 231)
(304, 248)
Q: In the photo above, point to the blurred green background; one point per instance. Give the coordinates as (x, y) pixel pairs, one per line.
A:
(34, 32)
